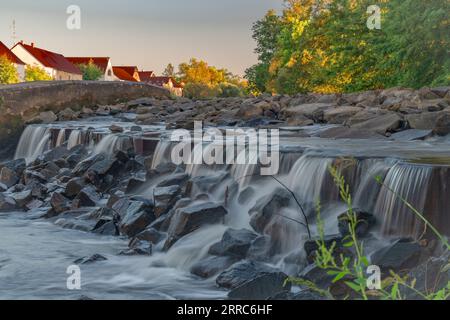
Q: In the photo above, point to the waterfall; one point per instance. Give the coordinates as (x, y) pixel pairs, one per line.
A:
(61, 138)
(410, 182)
(112, 143)
(74, 139)
(162, 153)
(33, 142)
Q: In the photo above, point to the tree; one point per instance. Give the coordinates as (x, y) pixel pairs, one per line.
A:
(265, 33)
(36, 73)
(8, 72)
(91, 71)
(169, 71)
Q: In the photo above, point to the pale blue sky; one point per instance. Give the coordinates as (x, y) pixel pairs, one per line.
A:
(147, 33)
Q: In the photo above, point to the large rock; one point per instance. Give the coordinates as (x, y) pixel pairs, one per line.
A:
(7, 203)
(349, 133)
(241, 272)
(381, 124)
(312, 111)
(411, 135)
(365, 221)
(266, 208)
(151, 235)
(189, 219)
(211, 266)
(397, 256)
(340, 115)
(87, 197)
(261, 288)
(8, 177)
(234, 243)
(138, 248)
(44, 117)
(423, 121)
(74, 186)
(22, 198)
(59, 203)
(165, 198)
(442, 126)
(88, 260)
(138, 216)
(67, 115)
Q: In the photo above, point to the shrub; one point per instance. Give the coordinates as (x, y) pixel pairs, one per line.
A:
(230, 90)
(200, 91)
(90, 71)
(36, 73)
(8, 72)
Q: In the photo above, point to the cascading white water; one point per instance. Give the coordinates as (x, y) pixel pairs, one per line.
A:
(410, 182)
(112, 143)
(74, 139)
(162, 153)
(61, 138)
(33, 142)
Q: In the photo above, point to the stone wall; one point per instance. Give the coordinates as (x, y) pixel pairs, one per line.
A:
(21, 102)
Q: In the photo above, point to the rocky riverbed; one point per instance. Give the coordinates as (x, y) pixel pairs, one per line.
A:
(104, 172)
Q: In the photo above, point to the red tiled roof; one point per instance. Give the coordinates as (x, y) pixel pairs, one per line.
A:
(101, 62)
(51, 59)
(125, 73)
(4, 51)
(161, 81)
(146, 75)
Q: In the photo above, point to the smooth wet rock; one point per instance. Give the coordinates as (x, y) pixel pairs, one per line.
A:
(349, 133)
(241, 272)
(138, 216)
(91, 259)
(151, 235)
(311, 246)
(74, 187)
(234, 243)
(88, 197)
(44, 117)
(116, 129)
(398, 255)
(8, 177)
(259, 249)
(22, 198)
(189, 219)
(67, 115)
(17, 165)
(7, 203)
(34, 204)
(165, 198)
(381, 124)
(442, 126)
(59, 203)
(212, 265)
(261, 288)
(266, 208)
(423, 121)
(55, 154)
(340, 115)
(411, 135)
(138, 248)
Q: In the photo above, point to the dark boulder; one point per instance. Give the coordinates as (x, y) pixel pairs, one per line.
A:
(259, 249)
(151, 235)
(138, 248)
(106, 227)
(266, 208)
(22, 198)
(59, 203)
(8, 177)
(165, 198)
(241, 272)
(211, 266)
(7, 203)
(87, 197)
(261, 288)
(189, 219)
(399, 255)
(442, 127)
(74, 187)
(138, 216)
(234, 243)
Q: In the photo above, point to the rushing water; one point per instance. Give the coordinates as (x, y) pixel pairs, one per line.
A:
(35, 254)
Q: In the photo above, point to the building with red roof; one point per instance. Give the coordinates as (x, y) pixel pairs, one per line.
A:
(19, 64)
(127, 73)
(146, 75)
(54, 64)
(103, 63)
(167, 82)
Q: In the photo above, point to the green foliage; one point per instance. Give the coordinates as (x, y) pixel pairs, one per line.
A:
(91, 71)
(350, 269)
(325, 46)
(36, 73)
(8, 72)
(203, 81)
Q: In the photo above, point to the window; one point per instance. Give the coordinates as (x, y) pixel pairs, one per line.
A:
(109, 73)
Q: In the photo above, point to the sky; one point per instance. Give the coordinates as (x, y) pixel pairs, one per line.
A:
(146, 33)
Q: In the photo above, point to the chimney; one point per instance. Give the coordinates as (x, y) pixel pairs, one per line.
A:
(21, 41)
(32, 44)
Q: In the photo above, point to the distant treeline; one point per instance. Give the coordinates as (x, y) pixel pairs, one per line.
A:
(327, 46)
